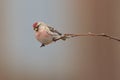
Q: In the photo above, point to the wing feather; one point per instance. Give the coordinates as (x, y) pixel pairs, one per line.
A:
(53, 30)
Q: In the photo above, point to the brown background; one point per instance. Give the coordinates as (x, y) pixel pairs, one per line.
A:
(84, 58)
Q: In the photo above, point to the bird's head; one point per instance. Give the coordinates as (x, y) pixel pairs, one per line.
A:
(36, 26)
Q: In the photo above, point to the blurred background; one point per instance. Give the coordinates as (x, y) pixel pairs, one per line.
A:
(83, 58)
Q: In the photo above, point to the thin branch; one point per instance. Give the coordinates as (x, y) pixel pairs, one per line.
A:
(65, 36)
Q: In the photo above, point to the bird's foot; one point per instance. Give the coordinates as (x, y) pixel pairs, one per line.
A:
(54, 39)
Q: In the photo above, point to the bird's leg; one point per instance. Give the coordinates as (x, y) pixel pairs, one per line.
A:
(42, 45)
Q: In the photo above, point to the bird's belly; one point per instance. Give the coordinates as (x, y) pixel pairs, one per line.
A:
(44, 38)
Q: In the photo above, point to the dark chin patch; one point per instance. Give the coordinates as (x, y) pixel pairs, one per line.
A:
(36, 29)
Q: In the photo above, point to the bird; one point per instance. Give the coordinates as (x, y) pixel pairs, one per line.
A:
(46, 34)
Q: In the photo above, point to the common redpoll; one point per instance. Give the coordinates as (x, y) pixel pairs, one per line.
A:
(45, 34)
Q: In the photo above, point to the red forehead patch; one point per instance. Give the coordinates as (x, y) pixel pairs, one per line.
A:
(35, 24)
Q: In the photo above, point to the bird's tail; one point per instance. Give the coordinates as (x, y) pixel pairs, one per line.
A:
(64, 38)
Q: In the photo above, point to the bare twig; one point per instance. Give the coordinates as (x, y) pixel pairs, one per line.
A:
(65, 36)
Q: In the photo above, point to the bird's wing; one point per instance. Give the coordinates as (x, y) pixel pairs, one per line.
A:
(53, 30)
